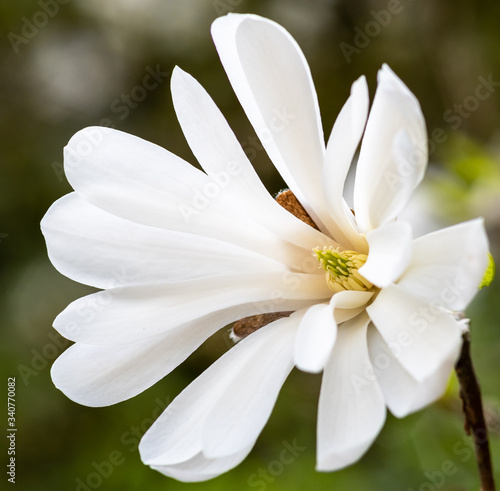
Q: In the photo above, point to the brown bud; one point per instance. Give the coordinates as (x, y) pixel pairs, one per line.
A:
(248, 325)
(288, 201)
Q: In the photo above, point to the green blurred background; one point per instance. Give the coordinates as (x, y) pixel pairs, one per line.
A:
(67, 64)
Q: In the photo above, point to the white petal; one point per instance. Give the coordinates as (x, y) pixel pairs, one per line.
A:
(351, 409)
(318, 329)
(447, 266)
(403, 394)
(180, 433)
(125, 315)
(272, 80)
(420, 334)
(350, 299)
(134, 179)
(102, 250)
(349, 304)
(342, 144)
(104, 375)
(242, 410)
(221, 156)
(393, 154)
(144, 183)
(315, 338)
(200, 468)
(390, 252)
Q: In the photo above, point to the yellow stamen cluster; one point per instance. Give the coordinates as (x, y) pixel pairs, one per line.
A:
(342, 269)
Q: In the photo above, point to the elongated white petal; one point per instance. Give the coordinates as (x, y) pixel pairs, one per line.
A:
(222, 157)
(104, 375)
(181, 432)
(390, 253)
(342, 144)
(130, 177)
(402, 393)
(102, 250)
(272, 80)
(244, 407)
(144, 183)
(447, 266)
(393, 154)
(209, 136)
(420, 334)
(200, 468)
(318, 329)
(125, 315)
(351, 409)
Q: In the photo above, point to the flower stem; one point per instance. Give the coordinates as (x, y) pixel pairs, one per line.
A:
(470, 394)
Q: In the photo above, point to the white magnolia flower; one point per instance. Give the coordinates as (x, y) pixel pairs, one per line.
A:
(181, 253)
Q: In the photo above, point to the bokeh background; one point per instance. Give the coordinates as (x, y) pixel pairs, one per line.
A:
(67, 64)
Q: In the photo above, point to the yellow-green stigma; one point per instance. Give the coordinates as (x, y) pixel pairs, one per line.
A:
(342, 269)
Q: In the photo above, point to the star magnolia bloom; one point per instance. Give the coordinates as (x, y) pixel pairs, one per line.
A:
(181, 253)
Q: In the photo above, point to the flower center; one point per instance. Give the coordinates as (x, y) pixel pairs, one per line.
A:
(342, 269)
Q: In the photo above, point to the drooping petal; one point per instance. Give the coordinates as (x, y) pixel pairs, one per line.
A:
(244, 407)
(200, 468)
(144, 183)
(125, 315)
(184, 428)
(272, 80)
(447, 266)
(104, 375)
(318, 329)
(315, 338)
(420, 334)
(402, 393)
(351, 409)
(390, 252)
(220, 154)
(102, 250)
(342, 144)
(393, 154)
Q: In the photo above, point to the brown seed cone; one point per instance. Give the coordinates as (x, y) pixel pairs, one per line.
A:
(288, 201)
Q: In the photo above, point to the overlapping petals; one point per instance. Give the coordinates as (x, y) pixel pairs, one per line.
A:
(220, 415)
(181, 253)
(396, 139)
(351, 409)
